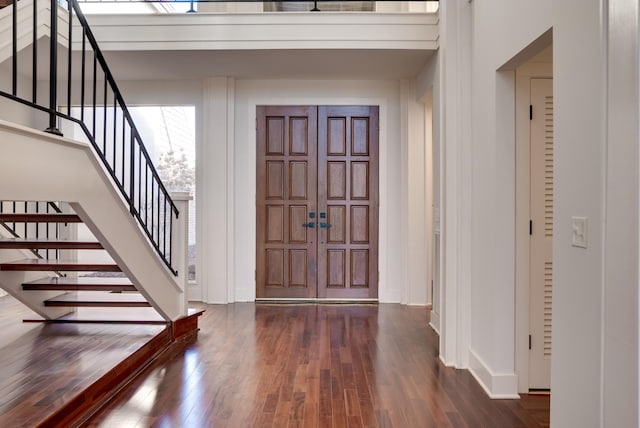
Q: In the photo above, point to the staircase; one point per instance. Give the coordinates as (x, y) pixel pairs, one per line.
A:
(104, 175)
(50, 168)
(71, 291)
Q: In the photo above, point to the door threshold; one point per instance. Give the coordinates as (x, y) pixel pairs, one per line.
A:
(539, 391)
(318, 301)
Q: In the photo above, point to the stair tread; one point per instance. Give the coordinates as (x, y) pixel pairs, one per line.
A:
(59, 265)
(58, 262)
(28, 243)
(80, 283)
(100, 299)
(81, 280)
(102, 313)
(40, 217)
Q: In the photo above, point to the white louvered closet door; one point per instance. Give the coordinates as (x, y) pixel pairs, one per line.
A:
(541, 206)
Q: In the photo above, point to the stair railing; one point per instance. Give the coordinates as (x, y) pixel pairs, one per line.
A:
(83, 91)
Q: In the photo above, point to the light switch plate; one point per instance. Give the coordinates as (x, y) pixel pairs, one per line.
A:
(579, 232)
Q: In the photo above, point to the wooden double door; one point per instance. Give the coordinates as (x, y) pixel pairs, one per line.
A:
(317, 202)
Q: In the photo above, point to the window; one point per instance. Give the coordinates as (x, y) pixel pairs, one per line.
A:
(169, 133)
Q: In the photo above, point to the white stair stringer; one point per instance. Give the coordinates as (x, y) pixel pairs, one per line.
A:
(39, 166)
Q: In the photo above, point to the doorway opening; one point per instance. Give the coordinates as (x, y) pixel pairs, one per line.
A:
(534, 217)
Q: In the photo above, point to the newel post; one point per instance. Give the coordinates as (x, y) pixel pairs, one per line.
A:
(180, 243)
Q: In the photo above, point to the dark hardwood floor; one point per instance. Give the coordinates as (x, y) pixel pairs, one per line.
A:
(44, 367)
(256, 365)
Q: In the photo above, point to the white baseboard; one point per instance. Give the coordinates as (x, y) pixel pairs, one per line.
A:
(435, 322)
(496, 385)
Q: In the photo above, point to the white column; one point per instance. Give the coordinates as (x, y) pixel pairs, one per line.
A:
(620, 365)
(414, 237)
(217, 193)
(456, 182)
(180, 243)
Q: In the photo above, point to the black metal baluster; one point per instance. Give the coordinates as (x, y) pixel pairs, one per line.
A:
(164, 227)
(26, 230)
(46, 225)
(14, 48)
(104, 123)
(37, 224)
(124, 139)
(115, 133)
(153, 216)
(171, 240)
(158, 214)
(53, 69)
(146, 198)
(34, 60)
(95, 94)
(132, 177)
(57, 229)
(70, 57)
(13, 226)
(83, 77)
(139, 184)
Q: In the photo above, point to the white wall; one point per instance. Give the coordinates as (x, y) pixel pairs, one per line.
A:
(13, 111)
(595, 362)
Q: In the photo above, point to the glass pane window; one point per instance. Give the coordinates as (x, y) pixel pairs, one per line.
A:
(169, 135)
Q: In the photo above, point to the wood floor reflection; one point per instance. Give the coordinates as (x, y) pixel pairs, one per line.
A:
(45, 366)
(259, 365)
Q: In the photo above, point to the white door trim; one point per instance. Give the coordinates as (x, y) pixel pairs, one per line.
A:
(248, 292)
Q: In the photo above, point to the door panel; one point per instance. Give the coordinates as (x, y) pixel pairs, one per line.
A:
(286, 195)
(348, 196)
(317, 202)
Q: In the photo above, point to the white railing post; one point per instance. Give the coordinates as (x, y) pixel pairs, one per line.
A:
(180, 243)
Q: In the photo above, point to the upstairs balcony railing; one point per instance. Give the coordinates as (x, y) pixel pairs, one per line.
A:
(77, 87)
(253, 6)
